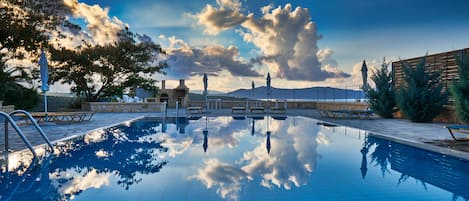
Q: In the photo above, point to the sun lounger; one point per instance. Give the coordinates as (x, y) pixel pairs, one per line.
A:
(326, 124)
(256, 117)
(346, 114)
(257, 109)
(62, 117)
(279, 117)
(238, 110)
(7, 108)
(194, 110)
(458, 129)
(239, 117)
(278, 110)
(196, 117)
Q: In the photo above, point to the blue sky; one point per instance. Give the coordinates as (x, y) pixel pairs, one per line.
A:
(350, 31)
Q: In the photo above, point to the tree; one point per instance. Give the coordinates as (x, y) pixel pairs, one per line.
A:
(24, 25)
(421, 98)
(11, 90)
(460, 90)
(382, 98)
(101, 71)
(23, 31)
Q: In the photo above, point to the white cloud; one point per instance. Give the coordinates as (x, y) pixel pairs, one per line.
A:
(102, 28)
(225, 177)
(287, 39)
(291, 160)
(355, 80)
(226, 16)
(184, 60)
(70, 182)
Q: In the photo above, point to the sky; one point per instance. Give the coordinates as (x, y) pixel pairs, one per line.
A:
(301, 43)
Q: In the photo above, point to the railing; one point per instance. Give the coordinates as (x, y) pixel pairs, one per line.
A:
(38, 128)
(11, 121)
(8, 119)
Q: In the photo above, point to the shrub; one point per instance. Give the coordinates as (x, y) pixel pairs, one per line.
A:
(421, 99)
(381, 99)
(460, 90)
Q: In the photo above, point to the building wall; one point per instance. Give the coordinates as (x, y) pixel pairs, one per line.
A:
(122, 107)
(180, 93)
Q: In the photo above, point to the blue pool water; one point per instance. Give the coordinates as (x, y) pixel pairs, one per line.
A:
(234, 159)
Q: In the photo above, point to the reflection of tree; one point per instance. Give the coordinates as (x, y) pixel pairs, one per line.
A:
(425, 167)
(381, 154)
(125, 152)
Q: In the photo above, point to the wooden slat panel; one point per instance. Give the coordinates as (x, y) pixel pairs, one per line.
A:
(445, 63)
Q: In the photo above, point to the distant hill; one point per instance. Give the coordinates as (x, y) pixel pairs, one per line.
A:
(209, 92)
(199, 97)
(305, 93)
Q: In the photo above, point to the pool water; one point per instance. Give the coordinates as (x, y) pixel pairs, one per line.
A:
(225, 158)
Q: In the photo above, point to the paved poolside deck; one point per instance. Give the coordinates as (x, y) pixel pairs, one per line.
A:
(399, 128)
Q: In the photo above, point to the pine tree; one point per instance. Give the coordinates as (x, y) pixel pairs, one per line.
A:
(421, 99)
(460, 90)
(382, 98)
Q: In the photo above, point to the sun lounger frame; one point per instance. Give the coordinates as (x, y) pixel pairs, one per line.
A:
(258, 109)
(461, 129)
(194, 110)
(62, 117)
(238, 110)
(346, 114)
(278, 110)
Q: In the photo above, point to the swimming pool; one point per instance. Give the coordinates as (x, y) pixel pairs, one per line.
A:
(226, 158)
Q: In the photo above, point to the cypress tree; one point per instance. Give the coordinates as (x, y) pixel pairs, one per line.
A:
(460, 90)
(381, 99)
(421, 99)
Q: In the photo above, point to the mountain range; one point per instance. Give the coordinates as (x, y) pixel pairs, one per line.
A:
(311, 93)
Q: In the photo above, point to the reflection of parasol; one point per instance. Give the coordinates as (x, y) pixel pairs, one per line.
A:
(363, 167)
(267, 144)
(44, 70)
(205, 145)
(205, 132)
(163, 125)
(252, 128)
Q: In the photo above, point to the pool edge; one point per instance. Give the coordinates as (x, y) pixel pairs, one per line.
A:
(409, 142)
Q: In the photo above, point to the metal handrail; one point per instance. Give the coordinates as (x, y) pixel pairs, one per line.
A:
(38, 128)
(10, 120)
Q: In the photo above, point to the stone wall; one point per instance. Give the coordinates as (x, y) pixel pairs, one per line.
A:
(341, 106)
(448, 115)
(122, 107)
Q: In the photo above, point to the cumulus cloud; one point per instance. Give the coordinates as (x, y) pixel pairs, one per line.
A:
(225, 177)
(71, 182)
(102, 28)
(216, 19)
(185, 60)
(286, 37)
(291, 160)
(69, 38)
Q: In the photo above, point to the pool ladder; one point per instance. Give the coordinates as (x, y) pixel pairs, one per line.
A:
(9, 119)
